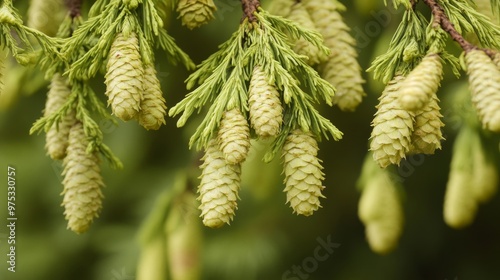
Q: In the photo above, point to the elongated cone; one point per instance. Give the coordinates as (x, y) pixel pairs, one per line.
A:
(234, 136)
(299, 15)
(460, 203)
(46, 15)
(422, 82)
(56, 139)
(380, 210)
(218, 189)
(124, 77)
(184, 238)
(195, 13)
(341, 68)
(427, 135)
(266, 112)
(152, 260)
(303, 175)
(153, 108)
(392, 127)
(484, 82)
(82, 182)
(484, 170)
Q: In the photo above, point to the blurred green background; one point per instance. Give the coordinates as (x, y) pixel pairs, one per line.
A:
(265, 240)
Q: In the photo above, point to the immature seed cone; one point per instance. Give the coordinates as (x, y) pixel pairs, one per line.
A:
(341, 68)
(484, 170)
(56, 139)
(82, 182)
(381, 212)
(422, 82)
(124, 77)
(266, 112)
(392, 127)
(484, 81)
(153, 108)
(234, 136)
(427, 135)
(303, 175)
(460, 204)
(46, 15)
(195, 13)
(219, 186)
(299, 15)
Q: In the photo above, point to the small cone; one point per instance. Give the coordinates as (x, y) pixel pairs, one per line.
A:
(427, 135)
(153, 108)
(422, 82)
(484, 82)
(56, 139)
(124, 77)
(82, 182)
(484, 170)
(195, 13)
(303, 175)
(266, 111)
(218, 189)
(234, 136)
(392, 127)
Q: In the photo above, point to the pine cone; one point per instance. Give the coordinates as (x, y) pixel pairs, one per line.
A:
(392, 127)
(427, 135)
(124, 77)
(381, 212)
(153, 108)
(422, 82)
(82, 182)
(46, 15)
(485, 171)
(496, 60)
(484, 81)
(266, 112)
(303, 175)
(56, 139)
(219, 186)
(299, 15)
(195, 13)
(341, 69)
(234, 136)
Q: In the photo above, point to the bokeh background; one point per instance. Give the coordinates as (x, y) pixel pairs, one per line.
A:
(265, 240)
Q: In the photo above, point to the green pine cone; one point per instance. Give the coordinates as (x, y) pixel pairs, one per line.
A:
(485, 171)
(341, 68)
(56, 139)
(392, 127)
(234, 136)
(299, 15)
(427, 135)
(46, 15)
(266, 111)
(195, 13)
(82, 182)
(124, 77)
(484, 82)
(218, 189)
(153, 108)
(422, 82)
(303, 175)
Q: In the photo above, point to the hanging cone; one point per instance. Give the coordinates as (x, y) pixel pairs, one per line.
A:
(124, 77)
(484, 82)
(82, 182)
(234, 136)
(195, 13)
(303, 175)
(266, 112)
(427, 135)
(392, 127)
(153, 108)
(56, 139)
(218, 189)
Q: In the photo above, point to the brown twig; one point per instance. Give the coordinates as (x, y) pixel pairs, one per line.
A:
(74, 7)
(249, 8)
(442, 19)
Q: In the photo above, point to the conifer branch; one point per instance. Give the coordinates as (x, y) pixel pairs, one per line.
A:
(442, 19)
